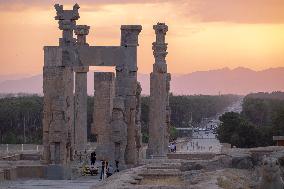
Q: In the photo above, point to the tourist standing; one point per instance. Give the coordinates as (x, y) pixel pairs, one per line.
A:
(116, 166)
(93, 158)
(102, 175)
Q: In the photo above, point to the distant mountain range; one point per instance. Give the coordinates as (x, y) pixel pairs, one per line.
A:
(225, 81)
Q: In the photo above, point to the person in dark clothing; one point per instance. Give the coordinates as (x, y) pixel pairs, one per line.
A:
(103, 170)
(80, 157)
(116, 166)
(93, 158)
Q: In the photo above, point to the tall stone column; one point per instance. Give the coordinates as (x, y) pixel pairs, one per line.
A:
(80, 114)
(80, 123)
(138, 136)
(103, 106)
(119, 130)
(58, 109)
(57, 114)
(126, 86)
(159, 97)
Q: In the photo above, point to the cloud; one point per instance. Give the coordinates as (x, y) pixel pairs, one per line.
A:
(237, 11)
(20, 5)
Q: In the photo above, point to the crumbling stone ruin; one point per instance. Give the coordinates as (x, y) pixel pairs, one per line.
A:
(117, 97)
(65, 120)
(159, 113)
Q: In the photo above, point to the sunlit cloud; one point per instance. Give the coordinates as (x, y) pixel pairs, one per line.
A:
(239, 11)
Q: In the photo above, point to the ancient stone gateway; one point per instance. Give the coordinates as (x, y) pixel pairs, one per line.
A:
(65, 120)
(117, 101)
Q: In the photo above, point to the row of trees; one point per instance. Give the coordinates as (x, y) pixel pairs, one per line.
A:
(262, 118)
(21, 117)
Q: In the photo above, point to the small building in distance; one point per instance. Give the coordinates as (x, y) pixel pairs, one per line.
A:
(184, 132)
(279, 140)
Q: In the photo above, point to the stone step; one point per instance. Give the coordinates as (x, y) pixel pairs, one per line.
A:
(153, 187)
(137, 177)
(163, 167)
(160, 172)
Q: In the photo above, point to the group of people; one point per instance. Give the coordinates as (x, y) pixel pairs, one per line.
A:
(106, 169)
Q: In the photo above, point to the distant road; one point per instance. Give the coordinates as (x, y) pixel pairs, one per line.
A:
(202, 141)
(235, 107)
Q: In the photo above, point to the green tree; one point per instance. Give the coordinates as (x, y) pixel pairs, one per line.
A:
(237, 131)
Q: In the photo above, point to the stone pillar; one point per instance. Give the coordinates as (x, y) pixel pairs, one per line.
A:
(103, 106)
(80, 124)
(119, 130)
(58, 109)
(58, 92)
(138, 136)
(80, 115)
(58, 115)
(82, 31)
(67, 22)
(159, 97)
(126, 83)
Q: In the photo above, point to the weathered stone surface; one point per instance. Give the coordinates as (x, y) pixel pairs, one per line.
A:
(103, 106)
(129, 35)
(52, 56)
(82, 31)
(2, 175)
(271, 175)
(80, 135)
(189, 166)
(67, 22)
(159, 113)
(116, 126)
(119, 130)
(30, 171)
(58, 115)
(242, 161)
(10, 173)
(138, 136)
(57, 172)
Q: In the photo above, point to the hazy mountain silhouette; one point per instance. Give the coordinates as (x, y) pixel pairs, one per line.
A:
(233, 81)
(236, 81)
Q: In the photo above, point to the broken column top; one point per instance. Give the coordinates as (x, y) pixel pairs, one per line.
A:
(160, 30)
(81, 31)
(129, 35)
(67, 21)
(160, 48)
(66, 14)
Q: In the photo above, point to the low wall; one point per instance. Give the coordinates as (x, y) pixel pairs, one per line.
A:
(22, 171)
(33, 157)
(15, 157)
(2, 175)
(14, 148)
(10, 173)
(36, 171)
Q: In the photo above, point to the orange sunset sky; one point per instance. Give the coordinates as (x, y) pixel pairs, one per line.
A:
(203, 34)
